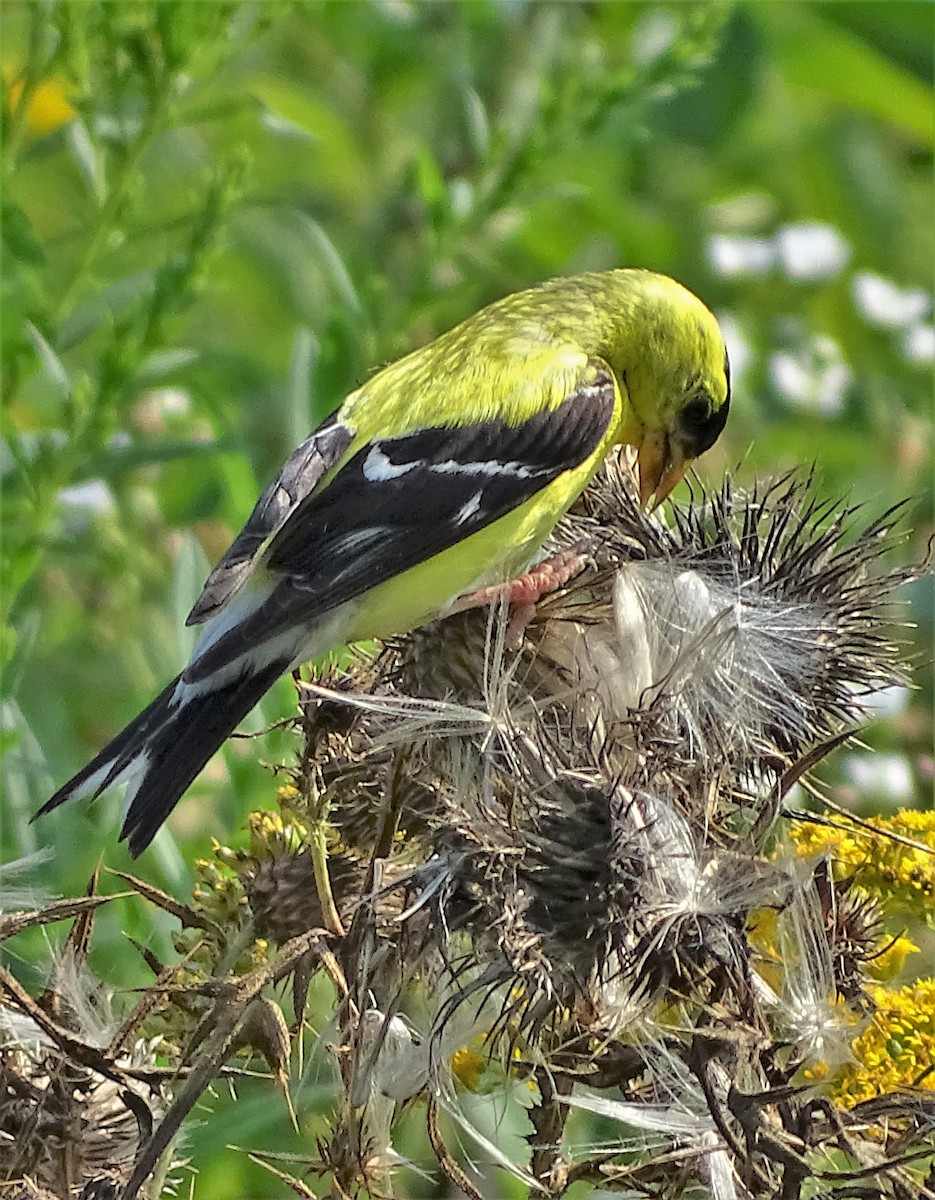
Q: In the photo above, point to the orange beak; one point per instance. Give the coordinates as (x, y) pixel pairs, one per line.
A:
(658, 473)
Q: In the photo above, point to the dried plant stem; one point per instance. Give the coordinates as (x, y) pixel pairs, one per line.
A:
(567, 854)
(548, 1117)
(58, 910)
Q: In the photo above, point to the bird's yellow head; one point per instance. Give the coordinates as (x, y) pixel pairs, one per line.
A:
(668, 352)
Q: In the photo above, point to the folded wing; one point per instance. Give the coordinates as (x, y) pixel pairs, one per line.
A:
(401, 500)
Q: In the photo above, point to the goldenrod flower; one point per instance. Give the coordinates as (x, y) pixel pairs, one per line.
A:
(892, 958)
(896, 1050)
(899, 873)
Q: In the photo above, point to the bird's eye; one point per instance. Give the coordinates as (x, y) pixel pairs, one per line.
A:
(699, 424)
(696, 414)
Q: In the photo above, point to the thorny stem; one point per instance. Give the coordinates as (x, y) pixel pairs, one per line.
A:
(58, 910)
(356, 954)
(352, 953)
(774, 1139)
(384, 842)
(318, 838)
(156, 991)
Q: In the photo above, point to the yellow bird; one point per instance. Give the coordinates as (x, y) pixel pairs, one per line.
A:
(441, 476)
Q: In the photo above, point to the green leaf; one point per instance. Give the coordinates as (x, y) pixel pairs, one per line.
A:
(9, 643)
(902, 31)
(334, 142)
(88, 161)
(334, 264)
(305, 352)
(188, 576)
(19, 240)
(165, 362)
(117, 460)
(16, 647)
(829, 60)
(26, 774)
(429, 179)
(52, 366)
(720, 92)
(105, 306)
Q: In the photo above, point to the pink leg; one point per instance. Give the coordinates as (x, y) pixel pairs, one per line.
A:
(523, 593)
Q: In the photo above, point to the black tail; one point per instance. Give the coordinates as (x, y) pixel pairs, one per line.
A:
(163, 749)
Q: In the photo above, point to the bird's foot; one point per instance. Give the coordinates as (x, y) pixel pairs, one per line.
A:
(523, 593)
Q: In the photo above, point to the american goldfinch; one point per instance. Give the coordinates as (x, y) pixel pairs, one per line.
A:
(442, 474)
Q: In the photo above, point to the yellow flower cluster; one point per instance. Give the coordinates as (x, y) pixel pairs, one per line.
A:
(896, 1050)
(219, 896)
(476, 1070)
(278, 832)
(216, 893)
(468, 1066)
(900, 874)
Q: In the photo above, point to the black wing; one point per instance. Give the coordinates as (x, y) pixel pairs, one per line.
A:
(401, 500)
(301, 472)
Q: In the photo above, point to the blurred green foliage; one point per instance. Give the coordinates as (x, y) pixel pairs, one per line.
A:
(255, 204)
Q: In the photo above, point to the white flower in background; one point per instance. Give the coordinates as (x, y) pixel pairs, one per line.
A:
(815, 378)
(157, 406)
(884, 778)
(807, 251)
(919, 344)
(886, 702)
(733, 256)
(790, 376)
(654, 34)
(399, 11)
(84, 501)
(811, 251)
(880, 302)
(461, 197)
